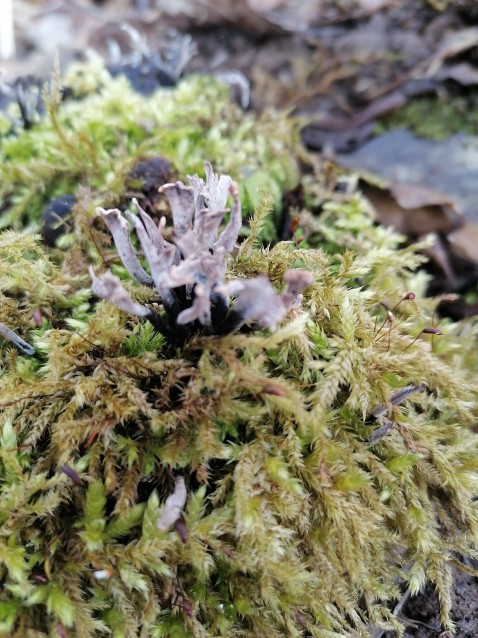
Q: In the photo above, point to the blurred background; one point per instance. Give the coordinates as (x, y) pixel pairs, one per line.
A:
(387, 89)
(315, 56)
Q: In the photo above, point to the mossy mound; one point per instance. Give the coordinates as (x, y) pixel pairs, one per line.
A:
(87, 145)
(326, 465)
(295, 523)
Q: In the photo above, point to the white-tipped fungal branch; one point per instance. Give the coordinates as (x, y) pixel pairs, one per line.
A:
(196, 261)
(108, 286)
(119, 228)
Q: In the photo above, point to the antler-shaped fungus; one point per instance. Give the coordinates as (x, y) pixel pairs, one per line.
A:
(196, 262)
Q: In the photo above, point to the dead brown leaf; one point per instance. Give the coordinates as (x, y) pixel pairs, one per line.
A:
(464, 241)
(369, 6)
(255, 15)
(414, 196)
(400, 157)
(453, 45)
(412, 210)
(438, 252)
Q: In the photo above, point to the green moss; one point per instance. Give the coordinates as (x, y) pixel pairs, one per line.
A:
(435, 117)
(294, 522)
(86, 146)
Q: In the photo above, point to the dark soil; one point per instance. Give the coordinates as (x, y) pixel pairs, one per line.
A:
(421, 614)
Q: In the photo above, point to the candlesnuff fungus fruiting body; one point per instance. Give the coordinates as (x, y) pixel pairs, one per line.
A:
(195, 263)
